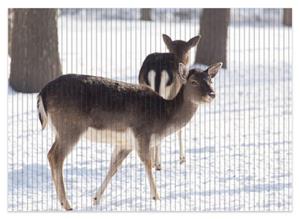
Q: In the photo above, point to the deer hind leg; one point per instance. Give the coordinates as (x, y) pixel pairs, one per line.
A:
(56, 156)
(145, 156)
(116, 160)
(182, 149)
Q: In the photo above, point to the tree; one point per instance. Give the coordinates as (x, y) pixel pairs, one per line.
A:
(287, 17)
(213, 29)
(146, 14)
(34, 50)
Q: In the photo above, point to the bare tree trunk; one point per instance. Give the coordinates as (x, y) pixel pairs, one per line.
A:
(287, 17)
(213, 29)
(146, 14)
(34, 55)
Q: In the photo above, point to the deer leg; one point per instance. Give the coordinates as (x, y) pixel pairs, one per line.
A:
(182, 149)
(145, 156)
(63, 145)
(56, 157)
(152, 151)
(117, 158)
(157, 157)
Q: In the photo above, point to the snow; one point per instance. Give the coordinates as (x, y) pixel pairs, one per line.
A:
(238, 148)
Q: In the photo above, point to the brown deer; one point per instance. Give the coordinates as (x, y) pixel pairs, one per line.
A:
(157, 72)
(133, 117)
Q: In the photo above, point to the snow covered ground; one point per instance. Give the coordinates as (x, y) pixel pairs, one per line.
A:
(238, 148)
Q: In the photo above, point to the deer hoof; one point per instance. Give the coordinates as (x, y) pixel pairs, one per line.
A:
(182, 160)
(66, 206)
(158, 167)
(156, 197)
(153, 164)
(96, 201)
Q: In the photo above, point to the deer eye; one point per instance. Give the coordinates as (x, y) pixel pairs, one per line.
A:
(194, 83)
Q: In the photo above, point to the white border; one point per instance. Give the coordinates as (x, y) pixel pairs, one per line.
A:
(137, 4)
(152, 3)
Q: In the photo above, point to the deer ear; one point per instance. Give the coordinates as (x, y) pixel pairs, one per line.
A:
(214, 69)
(168, 41)
(182, 73)
(194, 41)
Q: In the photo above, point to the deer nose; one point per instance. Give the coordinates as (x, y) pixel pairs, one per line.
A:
(212, 94)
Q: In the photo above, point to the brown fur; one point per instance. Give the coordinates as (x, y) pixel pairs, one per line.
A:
(75, 103)
(168, 62)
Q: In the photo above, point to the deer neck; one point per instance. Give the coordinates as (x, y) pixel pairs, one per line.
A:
(183, 58)
(183, 109)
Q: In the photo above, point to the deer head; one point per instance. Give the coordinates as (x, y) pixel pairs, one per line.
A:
(181, 48)
(199, 84)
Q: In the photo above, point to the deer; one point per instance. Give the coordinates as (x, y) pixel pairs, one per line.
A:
(156, 72)
(128, 116)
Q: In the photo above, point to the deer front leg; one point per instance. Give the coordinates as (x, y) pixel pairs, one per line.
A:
(117, 158)
(145, 156)
(157, 157)
(182, 149)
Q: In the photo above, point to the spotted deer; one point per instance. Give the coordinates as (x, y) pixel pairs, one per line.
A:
(129, 116)
(156, 72)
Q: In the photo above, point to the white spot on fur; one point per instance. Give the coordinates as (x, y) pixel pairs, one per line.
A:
(164, 90)
(151, 79)
(167, 92)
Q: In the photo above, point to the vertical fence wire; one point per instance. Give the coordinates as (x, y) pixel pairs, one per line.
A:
(238, 148)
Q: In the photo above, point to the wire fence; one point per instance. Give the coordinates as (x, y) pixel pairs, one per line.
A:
(238, 148)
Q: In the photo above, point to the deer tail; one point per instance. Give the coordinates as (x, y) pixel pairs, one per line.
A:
(43, 117)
